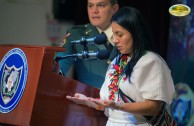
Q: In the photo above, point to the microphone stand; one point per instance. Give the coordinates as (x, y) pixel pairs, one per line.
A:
(63, 57)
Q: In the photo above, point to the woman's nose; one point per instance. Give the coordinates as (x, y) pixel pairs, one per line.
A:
(113, 39)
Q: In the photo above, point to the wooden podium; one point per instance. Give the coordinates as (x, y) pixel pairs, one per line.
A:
(44, 102)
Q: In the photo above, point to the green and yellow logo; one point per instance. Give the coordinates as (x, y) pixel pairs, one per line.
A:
(179, 10)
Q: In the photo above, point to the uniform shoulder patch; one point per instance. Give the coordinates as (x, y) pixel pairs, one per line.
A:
(79, 29)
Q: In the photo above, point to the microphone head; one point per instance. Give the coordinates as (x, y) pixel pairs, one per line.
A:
(100, 39)
(103, 54)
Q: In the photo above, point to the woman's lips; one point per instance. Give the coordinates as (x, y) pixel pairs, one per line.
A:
(119, 47)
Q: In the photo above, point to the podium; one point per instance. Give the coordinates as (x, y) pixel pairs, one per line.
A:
(43, 102)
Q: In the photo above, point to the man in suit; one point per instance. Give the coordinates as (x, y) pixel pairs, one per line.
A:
(91, 72)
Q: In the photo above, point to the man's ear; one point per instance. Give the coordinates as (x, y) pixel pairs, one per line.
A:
(115, 8)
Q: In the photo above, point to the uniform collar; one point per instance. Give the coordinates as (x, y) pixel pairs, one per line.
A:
(108, 33)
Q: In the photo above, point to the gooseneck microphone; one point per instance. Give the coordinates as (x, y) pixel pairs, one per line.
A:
(99, 39)
(101, 55)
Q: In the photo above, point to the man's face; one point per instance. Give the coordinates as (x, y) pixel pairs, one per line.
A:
(100, 13)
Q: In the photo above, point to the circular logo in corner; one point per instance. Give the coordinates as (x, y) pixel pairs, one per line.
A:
(179, 10)
(13, 77)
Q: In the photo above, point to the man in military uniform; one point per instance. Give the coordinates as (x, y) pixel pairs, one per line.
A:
(91, 72)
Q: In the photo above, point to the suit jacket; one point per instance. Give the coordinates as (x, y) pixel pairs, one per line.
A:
(91, 72)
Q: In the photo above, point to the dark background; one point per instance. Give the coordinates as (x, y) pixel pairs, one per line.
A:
(155, 12)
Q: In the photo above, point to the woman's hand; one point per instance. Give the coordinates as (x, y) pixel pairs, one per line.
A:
(79, 99)
(106, 103)
(83, 100)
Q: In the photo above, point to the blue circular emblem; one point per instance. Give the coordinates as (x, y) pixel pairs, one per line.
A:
(13, 77)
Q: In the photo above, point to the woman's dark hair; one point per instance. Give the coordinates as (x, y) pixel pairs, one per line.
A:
(132, 20)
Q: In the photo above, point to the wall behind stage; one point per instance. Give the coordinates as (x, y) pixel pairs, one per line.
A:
(29, 22)
(23, 23)
(181, 46)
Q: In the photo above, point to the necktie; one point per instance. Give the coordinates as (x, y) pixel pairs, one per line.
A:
(108, 45)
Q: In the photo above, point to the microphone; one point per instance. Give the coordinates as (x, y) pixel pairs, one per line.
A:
(101, 55)
(99, 39)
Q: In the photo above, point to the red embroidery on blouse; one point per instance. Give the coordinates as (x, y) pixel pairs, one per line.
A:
(115, 77)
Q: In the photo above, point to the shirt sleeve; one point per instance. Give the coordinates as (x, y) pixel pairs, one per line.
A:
(152, 78)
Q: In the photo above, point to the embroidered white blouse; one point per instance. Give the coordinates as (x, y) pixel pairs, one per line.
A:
(150, 79)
